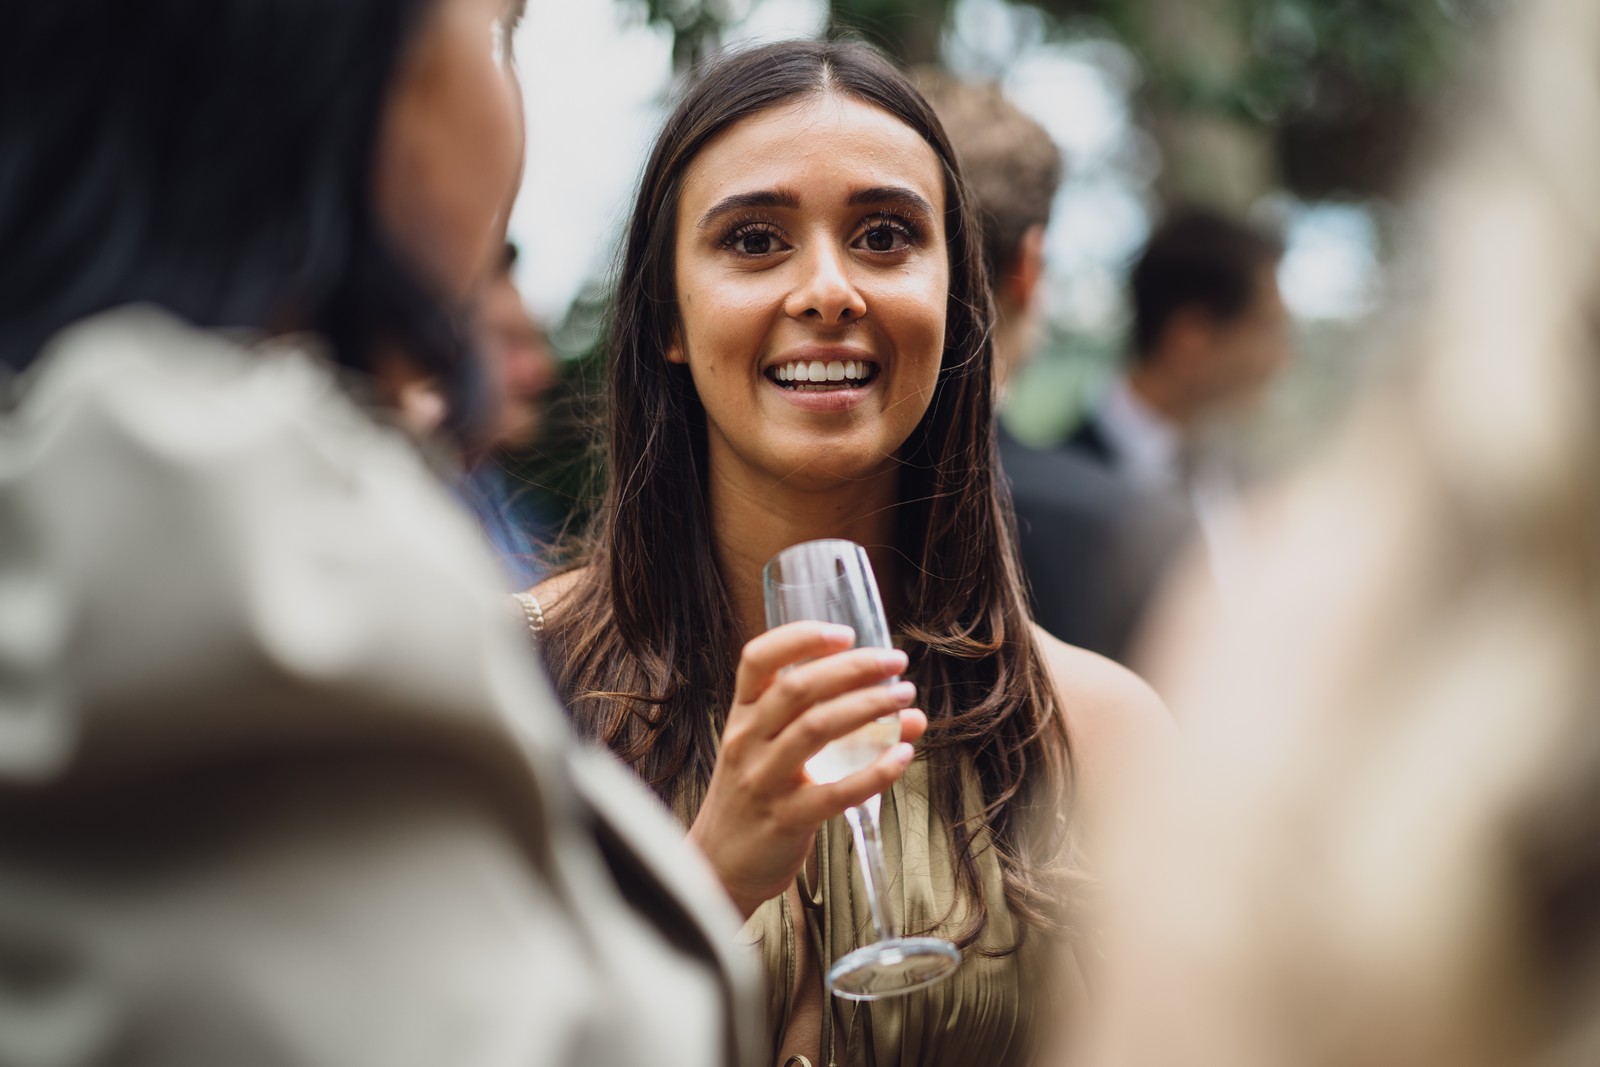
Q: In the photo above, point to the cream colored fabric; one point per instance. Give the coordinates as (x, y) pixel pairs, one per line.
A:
(279, 782)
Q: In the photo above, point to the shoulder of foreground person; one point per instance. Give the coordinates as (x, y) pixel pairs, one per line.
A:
(1116, 724)
(261, 655)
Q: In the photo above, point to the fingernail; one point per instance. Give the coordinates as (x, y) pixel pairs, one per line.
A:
(903, 753)
(893, 660)
(836, 633)
(904, 691)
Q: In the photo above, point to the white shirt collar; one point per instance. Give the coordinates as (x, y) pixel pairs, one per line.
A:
(1144, 445)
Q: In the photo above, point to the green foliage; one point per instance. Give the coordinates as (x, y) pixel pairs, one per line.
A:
(909, 30)
(1327, 57)
(696, 26)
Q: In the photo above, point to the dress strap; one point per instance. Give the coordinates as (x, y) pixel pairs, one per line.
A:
(532, 612)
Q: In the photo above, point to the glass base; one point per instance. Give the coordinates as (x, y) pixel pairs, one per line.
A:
(892, 968)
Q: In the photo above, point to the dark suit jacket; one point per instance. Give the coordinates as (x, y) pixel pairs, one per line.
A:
(1091, 442)
(1094, 548)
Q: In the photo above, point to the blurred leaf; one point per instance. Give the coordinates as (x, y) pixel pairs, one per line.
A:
(910, 30)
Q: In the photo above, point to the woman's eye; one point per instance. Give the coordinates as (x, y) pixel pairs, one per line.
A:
(887, 235)
(753, 240)
(755, 244)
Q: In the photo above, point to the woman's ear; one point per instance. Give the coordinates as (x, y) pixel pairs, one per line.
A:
(675, 353)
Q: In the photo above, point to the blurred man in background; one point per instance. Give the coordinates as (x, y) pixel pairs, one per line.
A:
(520, 365)
(1091, 543)
(520, 370)
(1210, 333)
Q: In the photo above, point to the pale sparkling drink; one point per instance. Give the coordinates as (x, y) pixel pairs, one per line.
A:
(855, 751)
(832, 581)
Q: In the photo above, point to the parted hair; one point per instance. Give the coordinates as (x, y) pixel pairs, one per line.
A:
(645, 653)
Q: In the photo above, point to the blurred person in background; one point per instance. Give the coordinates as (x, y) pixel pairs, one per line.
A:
(279, 781)
(517, 351)
(1210, 332)
(1390, 852)
(1093, 545)
(800, 349)
(521, 371)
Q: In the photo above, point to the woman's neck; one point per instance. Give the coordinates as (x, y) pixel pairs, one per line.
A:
(753, 518)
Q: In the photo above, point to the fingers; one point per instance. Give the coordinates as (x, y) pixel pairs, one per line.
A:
(913, 724)
(781, 646)
(825, 801)
(831, 719)
(795, 691)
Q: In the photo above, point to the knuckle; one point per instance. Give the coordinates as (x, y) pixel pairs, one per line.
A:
(735, 740)
(813, 730)
(793, 689)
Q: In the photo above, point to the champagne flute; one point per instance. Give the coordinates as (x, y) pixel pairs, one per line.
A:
(831, 581)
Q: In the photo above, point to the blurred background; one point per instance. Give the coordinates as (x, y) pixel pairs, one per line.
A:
(1300, 114)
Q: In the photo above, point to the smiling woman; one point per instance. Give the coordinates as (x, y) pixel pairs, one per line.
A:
(800, 350)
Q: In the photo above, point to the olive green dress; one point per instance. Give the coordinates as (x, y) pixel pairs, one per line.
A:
(990, 1013)
(998, 1009)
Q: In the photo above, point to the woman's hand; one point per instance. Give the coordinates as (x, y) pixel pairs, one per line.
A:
(761, 811)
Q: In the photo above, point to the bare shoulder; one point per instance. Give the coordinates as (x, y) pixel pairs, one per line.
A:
(554, 589)
(1115, 721)
(1097, 693)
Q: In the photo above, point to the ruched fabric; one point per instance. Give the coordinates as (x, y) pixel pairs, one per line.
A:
(988, 1013)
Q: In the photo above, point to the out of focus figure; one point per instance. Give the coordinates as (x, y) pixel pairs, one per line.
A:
(280, 782)
(521, 366)
(1390, 851)
(1094, 545)
(521, 371)
(1210, 332)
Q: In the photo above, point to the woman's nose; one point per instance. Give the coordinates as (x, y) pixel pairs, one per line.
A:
(825, 291)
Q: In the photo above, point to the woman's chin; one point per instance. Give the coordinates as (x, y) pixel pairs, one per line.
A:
(836, 473)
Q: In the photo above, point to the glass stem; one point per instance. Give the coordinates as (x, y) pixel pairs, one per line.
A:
(869, 854)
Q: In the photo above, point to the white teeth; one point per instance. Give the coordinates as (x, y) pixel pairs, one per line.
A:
(818, 371)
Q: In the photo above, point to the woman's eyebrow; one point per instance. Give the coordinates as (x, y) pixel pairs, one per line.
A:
(892, 194)
(740, 201)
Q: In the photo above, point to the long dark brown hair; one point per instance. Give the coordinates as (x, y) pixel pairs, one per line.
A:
(644, 645)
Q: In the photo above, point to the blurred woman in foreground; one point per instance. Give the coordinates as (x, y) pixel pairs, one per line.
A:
(1391, 855)
(278, 783)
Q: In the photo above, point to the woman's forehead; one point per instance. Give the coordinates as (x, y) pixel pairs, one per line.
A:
(818, 146)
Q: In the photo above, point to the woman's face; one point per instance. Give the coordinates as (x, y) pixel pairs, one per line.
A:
(449, 153)
(812, 276)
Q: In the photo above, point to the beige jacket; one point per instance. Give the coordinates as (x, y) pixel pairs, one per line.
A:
(279, 780)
